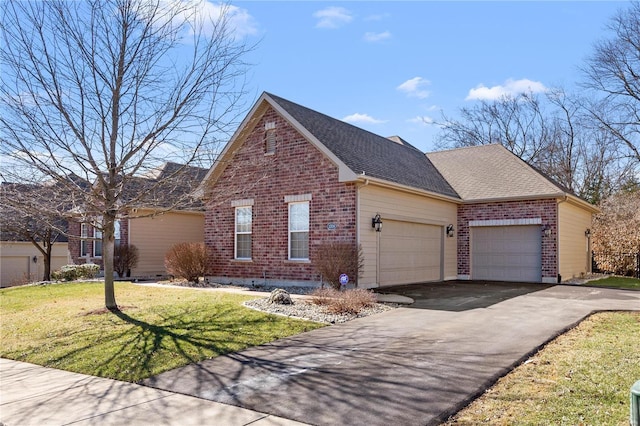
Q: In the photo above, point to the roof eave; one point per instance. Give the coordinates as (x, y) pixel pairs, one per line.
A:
(345, 174)
(409, 189)
(556, 195)
(221, 162)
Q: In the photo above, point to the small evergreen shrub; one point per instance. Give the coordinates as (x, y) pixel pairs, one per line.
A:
(74, 272)
(186, 260)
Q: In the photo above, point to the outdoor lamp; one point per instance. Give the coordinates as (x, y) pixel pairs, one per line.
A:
(547, 231)
(376, 222)
(587, 233)
(450, 230)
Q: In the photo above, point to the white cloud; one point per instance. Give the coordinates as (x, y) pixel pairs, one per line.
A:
(240, 21)
(374, 37)
(205, 16)
(378, 17)
(362, 118)
(415, 87)
(332, 17)
(421, 119)
(509, 88)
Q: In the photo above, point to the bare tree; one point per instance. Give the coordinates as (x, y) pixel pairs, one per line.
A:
(21, 220)
(108, 90)
(552, 132)
(613, 70)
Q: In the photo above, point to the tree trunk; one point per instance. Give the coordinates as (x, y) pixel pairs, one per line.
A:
(47, 262)
(108, 244)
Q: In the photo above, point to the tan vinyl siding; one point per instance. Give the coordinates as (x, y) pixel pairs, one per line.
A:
(155, 235)
(17, 266)
(401, 206)
(573, 250)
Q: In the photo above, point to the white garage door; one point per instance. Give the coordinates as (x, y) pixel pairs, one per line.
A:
(410, 253)
(506, 253)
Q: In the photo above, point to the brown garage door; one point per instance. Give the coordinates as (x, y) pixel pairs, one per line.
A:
(410, 253)
(506, 253)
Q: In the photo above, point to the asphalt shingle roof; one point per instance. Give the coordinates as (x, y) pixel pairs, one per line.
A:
(363, 151)
(491, 172)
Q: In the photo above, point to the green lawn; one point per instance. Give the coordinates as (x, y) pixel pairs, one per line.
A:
(581, 378)
(616, 282)
(64, 326)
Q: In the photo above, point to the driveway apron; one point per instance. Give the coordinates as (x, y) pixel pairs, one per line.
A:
(408, 366)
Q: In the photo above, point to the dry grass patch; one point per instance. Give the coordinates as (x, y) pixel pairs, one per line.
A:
(582, 377)
(343, 302)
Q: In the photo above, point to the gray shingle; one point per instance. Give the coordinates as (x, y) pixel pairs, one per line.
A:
(363, 151)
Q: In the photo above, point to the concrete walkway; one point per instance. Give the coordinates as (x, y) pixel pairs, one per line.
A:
(409, 366)
(39, 396)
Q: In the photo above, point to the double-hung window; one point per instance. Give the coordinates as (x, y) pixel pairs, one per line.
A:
(84, 234)
(243, 232)
(117, 234)
(97, 242)
(299, 231)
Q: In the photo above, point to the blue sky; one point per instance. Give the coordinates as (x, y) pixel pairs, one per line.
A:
(389, 67)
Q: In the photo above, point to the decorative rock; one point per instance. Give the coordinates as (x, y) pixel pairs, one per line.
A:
(281, 297)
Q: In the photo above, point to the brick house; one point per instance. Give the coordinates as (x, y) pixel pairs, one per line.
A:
(150, 227)
(292, 178)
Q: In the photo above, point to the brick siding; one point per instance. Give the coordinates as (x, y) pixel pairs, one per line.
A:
(295, 168)
(543, 209)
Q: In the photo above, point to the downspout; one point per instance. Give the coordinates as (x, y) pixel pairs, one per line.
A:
(359, 227)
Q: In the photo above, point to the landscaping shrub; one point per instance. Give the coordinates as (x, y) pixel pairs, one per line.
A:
(336, 258)
(343, 302)
(74, 272)
(125, 257)
(186, 260)
(88, 270)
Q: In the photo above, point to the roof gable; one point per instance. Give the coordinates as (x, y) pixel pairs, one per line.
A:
(490, 172)
(368, 154)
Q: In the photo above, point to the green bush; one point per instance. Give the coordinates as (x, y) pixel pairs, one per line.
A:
(88, 270)
(74, 272)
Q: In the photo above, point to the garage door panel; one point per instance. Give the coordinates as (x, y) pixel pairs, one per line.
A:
(409, 253)
(506, 253)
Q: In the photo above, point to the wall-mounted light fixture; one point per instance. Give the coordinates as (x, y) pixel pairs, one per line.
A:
(587, 233)
(450, 230)
(35, 259)
(546, 231)
(376, 222)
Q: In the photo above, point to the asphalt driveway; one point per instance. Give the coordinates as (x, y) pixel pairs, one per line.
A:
(404, 367)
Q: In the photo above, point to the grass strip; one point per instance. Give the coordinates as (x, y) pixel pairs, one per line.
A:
(616, 282)
(581, 378)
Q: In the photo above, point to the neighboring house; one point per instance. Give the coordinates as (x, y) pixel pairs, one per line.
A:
(21, 262)
(291, 179)
(152, 229)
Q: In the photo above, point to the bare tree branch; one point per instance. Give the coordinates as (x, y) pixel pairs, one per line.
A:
(107, 90)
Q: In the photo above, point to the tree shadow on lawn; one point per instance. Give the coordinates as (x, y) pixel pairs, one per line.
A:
(139, 348)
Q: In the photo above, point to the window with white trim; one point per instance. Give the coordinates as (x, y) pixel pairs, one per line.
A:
(117, 234)
(299, 231)
(84, 234)
(243, 232)
(97, 243)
